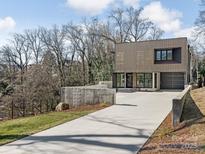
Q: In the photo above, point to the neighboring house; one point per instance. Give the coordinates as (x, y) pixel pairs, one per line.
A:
(152, 65)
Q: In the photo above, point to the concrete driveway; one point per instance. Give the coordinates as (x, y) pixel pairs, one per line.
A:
(119, 129)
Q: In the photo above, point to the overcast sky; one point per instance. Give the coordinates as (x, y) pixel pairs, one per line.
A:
(175, 17)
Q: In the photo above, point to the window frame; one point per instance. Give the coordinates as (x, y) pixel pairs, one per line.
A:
(120, 77)
(171, 54)
(161, 51)
(156, 55)
(147, 80)
(163, 57)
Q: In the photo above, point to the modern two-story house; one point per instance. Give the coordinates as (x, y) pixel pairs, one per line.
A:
(152, 65)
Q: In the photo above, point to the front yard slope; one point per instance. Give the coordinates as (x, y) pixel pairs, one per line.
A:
(188, 139)
(12, 130)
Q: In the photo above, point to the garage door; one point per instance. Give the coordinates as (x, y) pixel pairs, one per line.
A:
(172, 80)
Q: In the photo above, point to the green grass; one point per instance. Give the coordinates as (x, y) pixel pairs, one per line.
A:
(12, 130)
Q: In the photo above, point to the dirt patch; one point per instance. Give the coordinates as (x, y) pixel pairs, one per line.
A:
(189, 139)
(167, 140)
(191, 109)
(198, 96)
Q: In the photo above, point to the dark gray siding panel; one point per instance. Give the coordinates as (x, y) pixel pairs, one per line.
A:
(177, 55)
(172, 80)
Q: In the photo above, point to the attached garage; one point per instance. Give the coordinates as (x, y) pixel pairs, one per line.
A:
(172, 80)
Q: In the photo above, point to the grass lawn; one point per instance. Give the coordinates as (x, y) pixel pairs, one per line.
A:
(189, 139)
(12, 130)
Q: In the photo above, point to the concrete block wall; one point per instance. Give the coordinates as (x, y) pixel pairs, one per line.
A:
(76, 96)
(108, 84)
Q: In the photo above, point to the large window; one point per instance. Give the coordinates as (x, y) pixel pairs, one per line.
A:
(140, 80)
(170, 56)
(120, 80)
(144, 80)
(163, 55)
(158, 55)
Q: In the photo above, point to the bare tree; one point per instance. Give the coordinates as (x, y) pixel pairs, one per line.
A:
(91, 47)
(137, 27)
(200, 22)
(35, 44)
(129, 26)
(98, 51)
(19, 53)
(118, 21)
(155, 33)
(42, 86)
(199, 32)
(7, 63)
(54, 40)
(40, 61)
(76, 35)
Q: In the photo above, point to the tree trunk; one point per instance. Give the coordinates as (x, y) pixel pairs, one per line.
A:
(24, 108)
(83, 61)
(204, 80)
(12, 109)
(90, 74)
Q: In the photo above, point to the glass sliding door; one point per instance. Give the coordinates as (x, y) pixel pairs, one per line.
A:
(140, 80)
(148, 80)
(120, 80)
(144, 80)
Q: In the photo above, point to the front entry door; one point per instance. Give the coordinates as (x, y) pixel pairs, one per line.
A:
(129, 80)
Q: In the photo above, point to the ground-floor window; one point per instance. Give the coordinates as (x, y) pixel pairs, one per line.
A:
(144, 80)
(120, 80)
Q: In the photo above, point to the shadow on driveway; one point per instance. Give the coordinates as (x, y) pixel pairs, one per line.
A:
(82, 139)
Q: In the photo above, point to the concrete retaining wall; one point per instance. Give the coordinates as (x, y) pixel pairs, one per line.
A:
(76, 96)
(108, 84)
(178, 105)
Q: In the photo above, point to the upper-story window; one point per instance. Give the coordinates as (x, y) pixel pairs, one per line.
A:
(168, 55)
(158, 55)
(163, 55)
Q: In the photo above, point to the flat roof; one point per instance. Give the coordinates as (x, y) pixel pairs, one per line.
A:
(165, 39)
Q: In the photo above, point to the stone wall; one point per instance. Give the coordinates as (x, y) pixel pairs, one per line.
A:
(76, 96)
